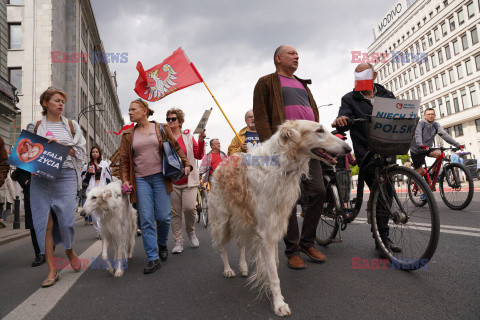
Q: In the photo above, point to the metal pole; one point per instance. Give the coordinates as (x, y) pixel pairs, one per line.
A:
(16, 221)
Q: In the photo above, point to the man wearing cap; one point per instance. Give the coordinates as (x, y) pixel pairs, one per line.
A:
(359, 104)
(278, 97)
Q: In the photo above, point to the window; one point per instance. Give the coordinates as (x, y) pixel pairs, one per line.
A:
(84, 67)
(15, 78)
(470, 10)
(410, 75)
(430, 39)
(447, 105)
(84, 34)
(477, 124)
(438, 9)
(440, 107)
(396, 84)
(14, 36)
(452, 75)
(437, 83)
(405, 78)
(90, 83)
(418, 92)
(421, 69)
(413, 94)
(451, 22)
(463, 94)
(444, 29)
(407, 96)
(434, 61)
(464, 42)
(458, 130)
(417, 46)
(434, 107)
(415, 70)
(427, 66)
(444, 79)
(448, 55)
(448, 131)
(460, 71)
(424, 45)
(424, 88)
(456, 49)
(474, 35)
(473, 96)
(440, 56)
(468, 66)
(460, 16)
(436, 32)
(455, 102)
(477, 62)
(430, 86)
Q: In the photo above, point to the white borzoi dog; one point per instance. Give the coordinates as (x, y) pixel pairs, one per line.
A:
(118, 223)
(253, 196)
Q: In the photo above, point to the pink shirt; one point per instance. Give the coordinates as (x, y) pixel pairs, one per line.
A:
(295, 100)
(146, 156)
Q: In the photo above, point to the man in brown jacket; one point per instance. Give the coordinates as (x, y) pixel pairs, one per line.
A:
(278, 97)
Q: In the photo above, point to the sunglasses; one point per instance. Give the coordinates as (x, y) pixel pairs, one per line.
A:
(171, 119)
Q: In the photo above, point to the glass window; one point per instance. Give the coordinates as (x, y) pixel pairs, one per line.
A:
(415, 71)
(477, 62)
(473, 95)
(440, 107)
(430, 86)
(448, 105)
(410, 75)
(418, 92)
(461, 18)
(455, 102)
(437, 83)
(456, 48)
(477, 124)
(417, 45)
(15, 2)
(470, 10)
(444, 79)
(458, 130)
(14, 36)
(474, 35)
(448, 55)
(440, 56)
(468, 66)
(460, 71)
(424, 45)
(434, 61)
(427, 66)
(444, 29)
(451, 22)
(407, 96)
(430, 39)
(15, 78)
(463, 94)
(448, 131)
(424, 88)
(452, 75)
(464, 42)
(405, 78)
(412, 92)
(436, 32)
(421, 69)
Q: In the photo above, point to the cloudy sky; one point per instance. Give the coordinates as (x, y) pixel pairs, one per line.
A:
(232, 45)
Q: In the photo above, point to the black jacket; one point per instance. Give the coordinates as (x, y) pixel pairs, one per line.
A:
(355, 105)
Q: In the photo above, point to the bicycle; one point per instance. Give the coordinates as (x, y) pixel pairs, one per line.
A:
(457, 195)
(202, 202)
(417, 229)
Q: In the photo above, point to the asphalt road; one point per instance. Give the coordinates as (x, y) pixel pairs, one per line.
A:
(191, 286)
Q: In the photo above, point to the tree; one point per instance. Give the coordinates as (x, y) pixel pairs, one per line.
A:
(404, 158)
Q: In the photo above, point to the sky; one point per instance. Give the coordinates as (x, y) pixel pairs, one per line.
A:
(232, 44)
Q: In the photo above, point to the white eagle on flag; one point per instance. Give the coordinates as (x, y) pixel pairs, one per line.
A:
(157, 88)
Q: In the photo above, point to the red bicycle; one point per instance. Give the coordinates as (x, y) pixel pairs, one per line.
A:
(455, 182)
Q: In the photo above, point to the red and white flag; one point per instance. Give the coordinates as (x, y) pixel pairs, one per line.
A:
(128, 126)
(364, 80)
(174, 73)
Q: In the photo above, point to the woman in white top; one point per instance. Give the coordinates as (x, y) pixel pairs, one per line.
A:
(96, 173)
(53, 202)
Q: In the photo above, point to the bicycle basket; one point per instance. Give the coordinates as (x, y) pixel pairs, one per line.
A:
(390, 136)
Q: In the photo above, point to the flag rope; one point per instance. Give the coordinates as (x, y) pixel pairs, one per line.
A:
(238, 137)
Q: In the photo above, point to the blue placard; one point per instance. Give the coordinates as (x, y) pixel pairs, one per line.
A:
(34, 154)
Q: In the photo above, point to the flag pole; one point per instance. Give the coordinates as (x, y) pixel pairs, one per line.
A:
(238, 137)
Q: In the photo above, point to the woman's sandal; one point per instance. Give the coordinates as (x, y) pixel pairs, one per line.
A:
(50, 282)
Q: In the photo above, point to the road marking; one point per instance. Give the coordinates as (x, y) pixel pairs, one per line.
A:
(39, 304)
(443, 228)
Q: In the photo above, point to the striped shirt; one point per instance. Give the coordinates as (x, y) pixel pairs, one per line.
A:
(295, 100)
(64, 136)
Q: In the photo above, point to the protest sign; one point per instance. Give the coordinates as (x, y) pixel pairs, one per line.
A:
(395, 108)
(34, 154)
(203, 122)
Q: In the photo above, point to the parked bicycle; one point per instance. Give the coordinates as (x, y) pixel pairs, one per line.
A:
(455, 183)
(416, 229)
(202, 202)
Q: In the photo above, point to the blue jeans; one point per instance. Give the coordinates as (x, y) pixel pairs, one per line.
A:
(153, 204)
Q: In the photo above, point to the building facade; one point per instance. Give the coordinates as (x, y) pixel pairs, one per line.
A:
(9, 114)
(56, 49)
(434, 55)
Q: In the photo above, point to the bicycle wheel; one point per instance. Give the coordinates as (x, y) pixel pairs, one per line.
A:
(415, 229)
(199, 206)
(327, 227)
(204, 209)
(455, 192)
(415, 194)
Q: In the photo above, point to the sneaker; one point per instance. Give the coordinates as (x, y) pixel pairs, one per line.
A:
(423, 197)
(193, 240)
(178, 247)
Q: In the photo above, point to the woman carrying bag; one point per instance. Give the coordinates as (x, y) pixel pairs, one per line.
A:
(142, 176)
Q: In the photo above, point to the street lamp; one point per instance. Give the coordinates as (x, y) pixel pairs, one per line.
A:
(85, 110)
(324, 105)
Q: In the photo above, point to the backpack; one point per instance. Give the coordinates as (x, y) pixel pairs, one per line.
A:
(70, 124)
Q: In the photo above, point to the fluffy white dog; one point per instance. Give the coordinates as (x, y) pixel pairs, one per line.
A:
(118, 222)
(253, 195)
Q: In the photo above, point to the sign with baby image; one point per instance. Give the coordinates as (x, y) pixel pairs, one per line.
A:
(34, 154)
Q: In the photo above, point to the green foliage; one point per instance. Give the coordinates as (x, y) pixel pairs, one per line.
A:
(355, 170)
(404, 158)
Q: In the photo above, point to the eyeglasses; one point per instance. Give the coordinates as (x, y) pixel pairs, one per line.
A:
(171, 119)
